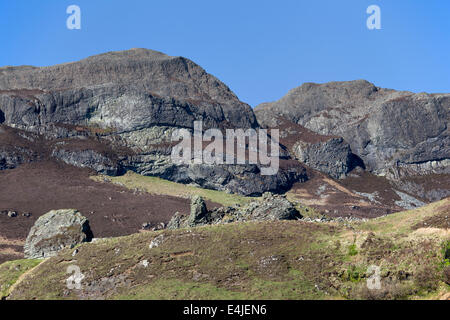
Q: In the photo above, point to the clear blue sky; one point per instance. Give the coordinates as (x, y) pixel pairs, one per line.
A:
(260, 49)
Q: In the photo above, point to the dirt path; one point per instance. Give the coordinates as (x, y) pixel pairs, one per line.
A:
(22, 277)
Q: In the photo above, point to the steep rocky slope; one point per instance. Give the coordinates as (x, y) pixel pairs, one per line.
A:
(134, 99)
(391, 131)
(399, 135)
(129, 90)
(115, 112)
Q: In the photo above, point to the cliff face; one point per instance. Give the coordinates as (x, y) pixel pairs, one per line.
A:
(394, 133)
(130, 101)
(117, 111)
(126, 90)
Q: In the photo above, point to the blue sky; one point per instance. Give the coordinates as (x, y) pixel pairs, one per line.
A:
(260, 49)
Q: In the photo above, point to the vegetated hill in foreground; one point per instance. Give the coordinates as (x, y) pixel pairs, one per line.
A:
(263, 260)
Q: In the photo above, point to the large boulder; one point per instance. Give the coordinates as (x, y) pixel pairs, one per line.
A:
(56, 230)
(10, 158)
(328, 154)
(198, 211)
(272, 207)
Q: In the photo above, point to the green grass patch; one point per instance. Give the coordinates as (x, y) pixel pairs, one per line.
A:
(11, 271)
(352, 251)
(446, 253)
(174, 289)
(160, 186)
(401, 223)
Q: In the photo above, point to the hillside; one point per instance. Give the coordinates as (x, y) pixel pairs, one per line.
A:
(117, 111)
(255, 260)
(96, 136)
(395, 133)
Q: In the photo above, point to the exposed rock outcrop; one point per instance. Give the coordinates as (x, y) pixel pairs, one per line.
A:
(127, 90)
(56, 230)
(15, 148)
(385, 128)
(198, 211)
(10, 158)
(133, 99)
(270, 207)
(241, 179)
(89, 159)
(333, 156)
(328, 154)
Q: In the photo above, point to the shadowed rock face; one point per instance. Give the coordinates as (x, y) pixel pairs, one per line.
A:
(386, 128)
(89, 159)
(331, 155)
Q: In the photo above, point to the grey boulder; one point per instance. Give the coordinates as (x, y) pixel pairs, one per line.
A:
(198, 210)
(57, 230)
(271, 207)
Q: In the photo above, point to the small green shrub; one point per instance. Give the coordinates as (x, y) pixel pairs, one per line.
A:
(446, 253)
(352, 250)
(354, 274)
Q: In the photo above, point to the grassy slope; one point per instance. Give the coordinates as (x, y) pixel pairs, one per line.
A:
(258, 260)
(159, 186)
(11, 271)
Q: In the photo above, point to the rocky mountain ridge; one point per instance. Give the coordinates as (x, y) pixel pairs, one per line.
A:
(393, 132)
(171, 90)
(117, 111)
